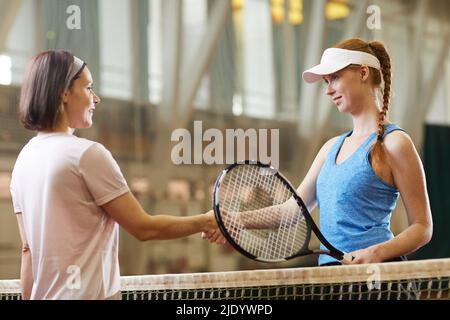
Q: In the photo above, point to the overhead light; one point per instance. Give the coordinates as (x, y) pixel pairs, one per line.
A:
(336, 9)
(238, 108)
(5, 70)
(237, 5)
(277, 9)
(295, 12)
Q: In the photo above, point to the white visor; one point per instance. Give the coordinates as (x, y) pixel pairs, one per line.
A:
(335, 59)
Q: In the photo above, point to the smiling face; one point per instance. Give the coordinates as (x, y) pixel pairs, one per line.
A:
(80, 101)
(348, 88)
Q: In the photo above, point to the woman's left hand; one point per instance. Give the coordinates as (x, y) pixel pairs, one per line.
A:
(368, 255)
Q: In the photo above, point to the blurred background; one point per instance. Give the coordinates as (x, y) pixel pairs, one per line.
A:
(159, 65)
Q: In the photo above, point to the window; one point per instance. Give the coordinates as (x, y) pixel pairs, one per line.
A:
(20, 44)
(155, 51)
(5, 70)
(115, 49)
(258, 84)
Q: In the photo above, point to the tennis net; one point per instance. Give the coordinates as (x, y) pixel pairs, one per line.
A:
(411, 280)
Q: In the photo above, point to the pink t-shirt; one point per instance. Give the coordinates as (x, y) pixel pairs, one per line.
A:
(58, 183)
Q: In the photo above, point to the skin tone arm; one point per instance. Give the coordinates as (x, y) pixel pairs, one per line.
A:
(26, 274)
(306, 190)
(265, 218)
(408, 174)
(129, 214)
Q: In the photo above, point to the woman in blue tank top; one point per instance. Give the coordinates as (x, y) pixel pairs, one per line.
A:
(357, 177)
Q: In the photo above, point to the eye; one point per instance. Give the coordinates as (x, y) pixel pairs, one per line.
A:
(330, 78)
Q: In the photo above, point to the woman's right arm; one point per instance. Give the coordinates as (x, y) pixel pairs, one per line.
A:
(130, 215)
(26, 274)
(307, 189)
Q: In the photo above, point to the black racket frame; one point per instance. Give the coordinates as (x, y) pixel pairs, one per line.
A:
(304, 251)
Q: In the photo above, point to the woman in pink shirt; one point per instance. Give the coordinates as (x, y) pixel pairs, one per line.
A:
(69, 193)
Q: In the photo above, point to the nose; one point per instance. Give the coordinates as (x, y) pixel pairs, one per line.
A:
(329, 89)
(96, 99)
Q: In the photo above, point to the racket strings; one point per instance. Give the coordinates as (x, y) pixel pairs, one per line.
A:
(253, 204)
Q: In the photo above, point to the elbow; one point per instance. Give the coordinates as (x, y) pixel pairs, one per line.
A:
(429, 230)
(427, 233)
(144, 229)
(141, 235)
(142, 238)
(137, 232)
(148, 236)
(25, 249)
(144, 234)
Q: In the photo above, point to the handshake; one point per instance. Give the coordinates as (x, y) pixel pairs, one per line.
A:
(213, 235)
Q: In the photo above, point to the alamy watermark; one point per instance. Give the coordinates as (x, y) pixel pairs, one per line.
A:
(374, 280)
(73, 281)
(396, 289)
(374, 20)
(73, 21)
(233, 146)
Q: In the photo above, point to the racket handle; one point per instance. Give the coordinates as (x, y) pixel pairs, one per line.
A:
(347, 258)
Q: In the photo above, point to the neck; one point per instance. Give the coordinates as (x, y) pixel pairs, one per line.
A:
(62, 126)
(365, 121)
(60, 129)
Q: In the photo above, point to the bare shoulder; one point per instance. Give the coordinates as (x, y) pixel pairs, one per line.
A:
(398, 144)
(402, 153)
(327, 146)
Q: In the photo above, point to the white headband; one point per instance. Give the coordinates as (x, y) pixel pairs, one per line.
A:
(335, 59)
(75, 67)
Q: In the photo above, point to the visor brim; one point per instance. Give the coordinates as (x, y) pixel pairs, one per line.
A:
(316, 73)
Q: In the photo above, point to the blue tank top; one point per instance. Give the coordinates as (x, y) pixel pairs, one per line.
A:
(355, 204)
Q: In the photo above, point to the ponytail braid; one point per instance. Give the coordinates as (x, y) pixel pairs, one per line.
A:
(385, 61)
(377, 152)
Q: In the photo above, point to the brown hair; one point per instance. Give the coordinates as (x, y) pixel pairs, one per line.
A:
(42, 89)
(378, 50)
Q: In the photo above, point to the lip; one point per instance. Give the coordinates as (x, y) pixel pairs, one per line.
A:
(336, 99)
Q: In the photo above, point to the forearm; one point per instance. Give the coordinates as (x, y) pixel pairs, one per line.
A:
(166, 227)
(129, 214)
(270, 217)
(408, 241)
(26, 274)
(265, 218)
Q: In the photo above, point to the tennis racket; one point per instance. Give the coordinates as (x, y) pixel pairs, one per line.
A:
(262, 216)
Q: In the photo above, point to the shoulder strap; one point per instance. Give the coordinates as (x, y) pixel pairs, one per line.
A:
(390, 128)
(337, 145)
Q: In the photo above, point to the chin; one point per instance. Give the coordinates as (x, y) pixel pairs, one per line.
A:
(344, 109)
(341, 109)
(85, 125)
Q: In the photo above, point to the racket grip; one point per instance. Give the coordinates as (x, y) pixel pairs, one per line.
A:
(347, 258)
